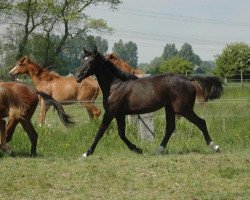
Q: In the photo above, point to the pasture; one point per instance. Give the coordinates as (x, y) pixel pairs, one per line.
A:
(190, 170)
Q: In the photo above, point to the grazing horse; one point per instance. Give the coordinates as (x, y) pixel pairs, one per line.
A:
(122, 65)
(63, 89)
(18, 102)
(125, 94)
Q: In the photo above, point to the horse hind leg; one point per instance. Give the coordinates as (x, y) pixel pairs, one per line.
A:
(170, 127)
(28, 127)
(4, 146)
(201, 124)
(43, 111)
(121, 131)
(10, 128)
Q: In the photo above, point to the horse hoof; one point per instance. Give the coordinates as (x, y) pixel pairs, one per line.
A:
(85, 155)
(215, 147)
(160, 150)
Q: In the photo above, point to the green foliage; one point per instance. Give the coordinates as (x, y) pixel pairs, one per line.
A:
(4, 4)
(155, 64)
(234, 57)
(187, 53)
(169, 51)
(176, 65)
(127, 52)
(90, 42)
(207, 66)
(48, 18)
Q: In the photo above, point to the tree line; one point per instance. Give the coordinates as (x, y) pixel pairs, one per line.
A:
(53, 33)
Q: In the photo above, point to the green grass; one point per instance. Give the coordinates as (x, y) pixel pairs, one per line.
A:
(190, 170)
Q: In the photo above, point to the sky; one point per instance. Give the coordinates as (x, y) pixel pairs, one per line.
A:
(208, 25)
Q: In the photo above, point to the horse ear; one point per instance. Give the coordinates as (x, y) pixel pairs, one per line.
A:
(26, 59)
(111, 56)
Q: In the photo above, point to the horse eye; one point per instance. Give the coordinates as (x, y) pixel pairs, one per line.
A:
(86, 58)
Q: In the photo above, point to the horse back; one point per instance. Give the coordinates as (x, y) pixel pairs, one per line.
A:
(152, 93)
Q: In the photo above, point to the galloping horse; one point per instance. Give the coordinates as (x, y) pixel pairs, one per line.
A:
(125, 94)
(122, 65)
(18, 102)
(63, 89)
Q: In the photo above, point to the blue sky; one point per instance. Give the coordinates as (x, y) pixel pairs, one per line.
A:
(208, 25)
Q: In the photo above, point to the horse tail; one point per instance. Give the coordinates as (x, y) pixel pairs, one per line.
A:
(65, 118)
(207, 88)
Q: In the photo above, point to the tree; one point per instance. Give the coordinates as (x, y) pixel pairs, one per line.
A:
(187, 53)
(169, 51)
(155, 64)
(91, 42)
(5, 4)
(177, 65)
(234, 57)
(207, 66)
(47, 18)
(127, 52)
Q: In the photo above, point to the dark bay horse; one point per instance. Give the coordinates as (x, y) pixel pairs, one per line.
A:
(125, 94)
(63, 89)
(18, 102)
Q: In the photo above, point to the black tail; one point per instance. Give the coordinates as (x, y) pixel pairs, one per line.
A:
(208, 88)
(65, 118)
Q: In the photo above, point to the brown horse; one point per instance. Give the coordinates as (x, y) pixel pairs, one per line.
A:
(63, 89)
(125, 94)
(18, 102)
(122, 65)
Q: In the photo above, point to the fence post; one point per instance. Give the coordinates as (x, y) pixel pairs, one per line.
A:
(144, 124)
(241, 79)
(146, 127)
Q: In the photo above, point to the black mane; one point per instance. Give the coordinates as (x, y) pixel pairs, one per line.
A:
(124, 76)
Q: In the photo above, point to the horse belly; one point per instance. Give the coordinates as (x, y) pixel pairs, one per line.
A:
(146, 102)
(64, 93)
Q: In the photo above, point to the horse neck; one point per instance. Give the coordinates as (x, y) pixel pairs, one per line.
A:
(105, 79)
(35, 72)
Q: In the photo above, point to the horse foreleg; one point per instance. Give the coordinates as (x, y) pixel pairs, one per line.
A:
(121, 131)
(170, 127)
(103, 127)
(201, 124)
(93, 111)
(28, 127)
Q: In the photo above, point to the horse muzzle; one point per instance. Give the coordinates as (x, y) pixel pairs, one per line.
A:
(79, 77)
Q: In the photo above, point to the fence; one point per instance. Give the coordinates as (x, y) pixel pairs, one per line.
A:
(226, 110)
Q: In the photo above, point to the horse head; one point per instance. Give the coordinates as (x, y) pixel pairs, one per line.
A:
(87, 67)
(21, 66)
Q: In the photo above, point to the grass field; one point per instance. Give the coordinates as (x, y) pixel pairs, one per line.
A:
(190, 170)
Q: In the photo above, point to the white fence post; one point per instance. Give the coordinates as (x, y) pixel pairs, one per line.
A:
(144, 124)
(146, 127)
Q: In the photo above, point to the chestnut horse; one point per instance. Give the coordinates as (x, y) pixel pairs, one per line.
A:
(63, 89)
(125, 93)
(18, 102)
(122, 65)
